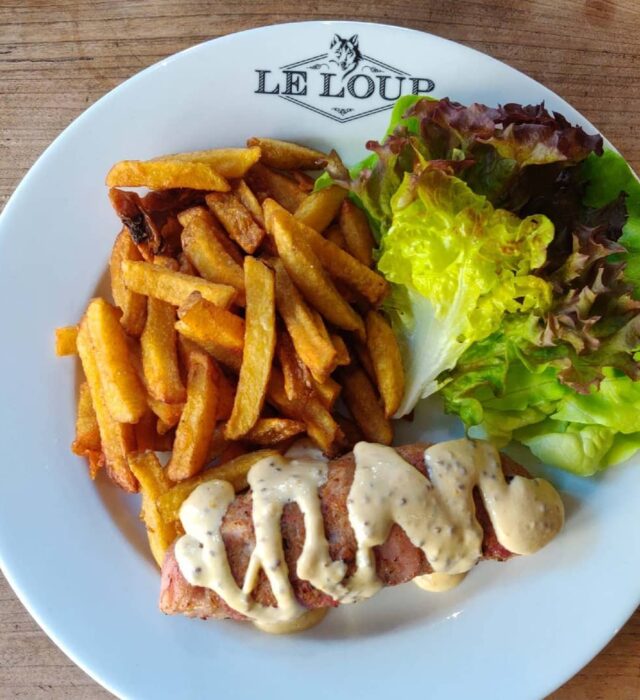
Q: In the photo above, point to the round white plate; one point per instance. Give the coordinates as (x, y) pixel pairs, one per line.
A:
(75, 552)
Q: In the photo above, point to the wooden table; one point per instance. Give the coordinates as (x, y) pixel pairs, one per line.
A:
(57, 58)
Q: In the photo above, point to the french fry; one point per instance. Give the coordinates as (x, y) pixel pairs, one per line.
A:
(160, 353)
(87, 443)
(305, 182)
(328, 392)
(166, 174)
(117, 439)
(297, 378)
(306, 271)
(173, 287)
(228, 162)
(148, 437)
(244, 193)
(122, 389)
(185, 266)
(386, 361)
(335, 235)
(259, 346)
(343, 357)
(305, 327)
(132, 305)
(352, 433)
(201, 244)
(226, 395)
(271, 431)
(168, 414)
(217, 330)
(154, 483)
(364, 357)
(198, 419)
(339, 264)
(319, 209)
(230, 247)
(234, 471)
(288, 156)
(267, 183)
(363, 404)
(356, 232)
(236, 219)
(66, 340)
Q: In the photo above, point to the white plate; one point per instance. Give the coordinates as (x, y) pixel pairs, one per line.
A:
(76, 554)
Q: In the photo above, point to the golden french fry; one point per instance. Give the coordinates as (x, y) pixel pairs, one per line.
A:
(160, 353)
(305, 327)
(66, 340)
(244, 193)
(166, 174)
(117, 439)
(363, 404)
(335, 235)
(230, 247)
(228, 162)
(356, 232)
(343, 357)
(226, 396)
(198, 419)
(306, 271)
(132, 305)
(319, 209)
(267, 183)
(87, 443)
(386, 361)
(168, 414)
(271, 431)
(123, 392)
(173, 287)
(236, 219)
(297, 378)
(149, 438)
(339, 264)
(364, 357)
(327, 391)
(288, 156)
(259, 346)
(234, 471)
(217, 330)
(203, 248)
(185, 266)
(154, 483)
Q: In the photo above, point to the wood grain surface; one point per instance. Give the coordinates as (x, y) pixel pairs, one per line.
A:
(57, 58)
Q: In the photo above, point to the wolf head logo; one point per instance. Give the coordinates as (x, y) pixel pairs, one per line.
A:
(345, 53)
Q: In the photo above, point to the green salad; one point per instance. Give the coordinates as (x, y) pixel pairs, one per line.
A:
(511, 239)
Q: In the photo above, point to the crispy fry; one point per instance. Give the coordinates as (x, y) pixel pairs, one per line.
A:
(218, 331)
(198, 420)
(117, 439)
(320, 208)
(122, 389)
(168, 414)
(267, 183)
(244, 193)
(87, 443)
(138, 222)
(363, 404)
(356, 231)
(288, 156)
(154, 483)
(271, 431)
(66, 340)
(166, 174)
(185, 266)
(306, 271)
(305, 327)
(234, 471)
(362, 351)
(226, 395)
(132, 305)
(339, 264)
(160, 353)
(386, 361)
(335, 235)
(202, 246)
(236, 219)
(173, 287)
(343, 357)
(228, 162)
(328, 392)
(148, 437)
(297, 378)
(259, 345)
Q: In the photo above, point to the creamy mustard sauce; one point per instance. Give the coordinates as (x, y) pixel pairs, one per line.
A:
(437, 515)
(438, 582)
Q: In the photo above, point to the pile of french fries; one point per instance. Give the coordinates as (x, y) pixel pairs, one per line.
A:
(245, 315)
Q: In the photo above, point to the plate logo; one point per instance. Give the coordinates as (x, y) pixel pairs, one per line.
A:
(342, 84)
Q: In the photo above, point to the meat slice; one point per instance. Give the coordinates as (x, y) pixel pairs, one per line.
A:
(397, 560)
